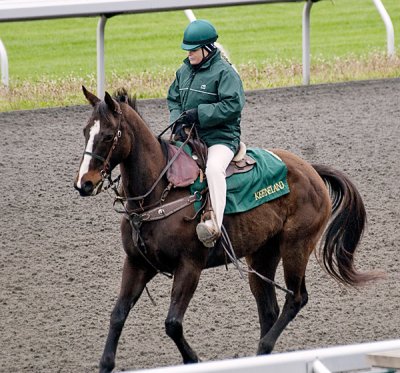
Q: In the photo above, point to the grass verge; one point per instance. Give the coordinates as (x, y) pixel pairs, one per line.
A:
(66, 91)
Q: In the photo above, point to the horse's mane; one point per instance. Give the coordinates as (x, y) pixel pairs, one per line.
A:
(121, 95)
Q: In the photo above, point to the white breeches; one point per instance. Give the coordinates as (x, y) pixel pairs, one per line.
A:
(219, 157)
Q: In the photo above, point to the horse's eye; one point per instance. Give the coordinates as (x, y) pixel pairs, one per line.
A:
(108, 138)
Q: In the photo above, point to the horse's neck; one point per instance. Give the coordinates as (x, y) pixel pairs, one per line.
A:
(145, 162)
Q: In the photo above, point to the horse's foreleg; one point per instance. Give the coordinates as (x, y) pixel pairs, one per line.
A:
(186, 278)
(133, 282)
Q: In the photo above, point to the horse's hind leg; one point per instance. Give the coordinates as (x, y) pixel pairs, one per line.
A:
(133, 282)
(265, 262)
(294, 259)
(186, 278)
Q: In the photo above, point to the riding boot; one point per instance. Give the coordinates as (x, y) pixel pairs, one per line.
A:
(207, 230)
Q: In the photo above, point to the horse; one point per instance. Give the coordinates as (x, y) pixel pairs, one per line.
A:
(323, 206)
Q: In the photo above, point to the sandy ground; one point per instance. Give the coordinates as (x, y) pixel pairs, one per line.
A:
(61, 258)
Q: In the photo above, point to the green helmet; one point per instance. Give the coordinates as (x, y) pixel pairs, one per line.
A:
(197, 34)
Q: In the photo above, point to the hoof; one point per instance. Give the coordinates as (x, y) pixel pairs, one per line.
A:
(264, 348)
(106, 366)
(193, 360)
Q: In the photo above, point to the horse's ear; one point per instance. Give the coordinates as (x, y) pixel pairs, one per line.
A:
(93, 100)
(112, 105)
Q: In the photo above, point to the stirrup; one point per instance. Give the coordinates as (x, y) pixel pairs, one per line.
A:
(207, 235)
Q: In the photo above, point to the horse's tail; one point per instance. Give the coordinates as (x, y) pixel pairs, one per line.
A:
(345, 229)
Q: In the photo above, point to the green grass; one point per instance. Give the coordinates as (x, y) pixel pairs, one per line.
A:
(49, 60)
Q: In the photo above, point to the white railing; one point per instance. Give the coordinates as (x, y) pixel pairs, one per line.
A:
(324, 360)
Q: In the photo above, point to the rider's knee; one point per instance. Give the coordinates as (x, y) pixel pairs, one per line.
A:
(214, 170)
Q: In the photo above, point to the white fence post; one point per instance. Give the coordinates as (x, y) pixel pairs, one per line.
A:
(190, 15)
(4, 64)
(306, 42)
(100, 57)
(318, 367)
(388, 24)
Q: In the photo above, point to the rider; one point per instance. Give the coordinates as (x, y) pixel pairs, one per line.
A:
(208, 92)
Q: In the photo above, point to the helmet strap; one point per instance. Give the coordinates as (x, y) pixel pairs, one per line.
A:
(210, 47)
(205, 58)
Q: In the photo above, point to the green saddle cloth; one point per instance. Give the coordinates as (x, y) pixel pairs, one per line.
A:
(265, 182)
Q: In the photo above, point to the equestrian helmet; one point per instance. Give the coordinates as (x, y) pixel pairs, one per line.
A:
(197, 34)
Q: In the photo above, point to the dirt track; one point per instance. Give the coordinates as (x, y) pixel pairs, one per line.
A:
(60, 254)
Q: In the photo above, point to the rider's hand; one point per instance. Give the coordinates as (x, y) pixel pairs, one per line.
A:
(185, 122)
(179, 132)
(189, 117)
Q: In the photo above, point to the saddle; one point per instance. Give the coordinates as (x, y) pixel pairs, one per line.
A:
(186, 169)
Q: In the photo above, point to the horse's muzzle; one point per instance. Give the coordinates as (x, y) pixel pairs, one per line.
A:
(88, 189)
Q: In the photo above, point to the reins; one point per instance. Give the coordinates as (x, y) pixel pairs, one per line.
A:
(241, 267)
(163, 172)
(158, 213)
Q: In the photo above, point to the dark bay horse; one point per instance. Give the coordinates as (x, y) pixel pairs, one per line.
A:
(286, 229)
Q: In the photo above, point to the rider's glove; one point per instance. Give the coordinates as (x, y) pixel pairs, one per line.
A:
(189, 117)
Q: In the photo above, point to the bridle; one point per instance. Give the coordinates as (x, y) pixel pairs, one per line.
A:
(105, 171)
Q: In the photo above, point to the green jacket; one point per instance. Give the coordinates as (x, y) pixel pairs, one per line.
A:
(216, 90)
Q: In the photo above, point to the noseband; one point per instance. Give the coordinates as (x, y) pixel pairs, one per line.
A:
(105, 171)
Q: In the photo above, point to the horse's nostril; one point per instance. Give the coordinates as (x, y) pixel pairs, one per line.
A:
(87, 187)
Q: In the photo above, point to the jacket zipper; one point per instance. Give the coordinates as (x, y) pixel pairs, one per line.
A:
(191, 77)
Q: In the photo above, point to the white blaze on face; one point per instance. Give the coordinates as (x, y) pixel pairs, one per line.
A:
(89, 148)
